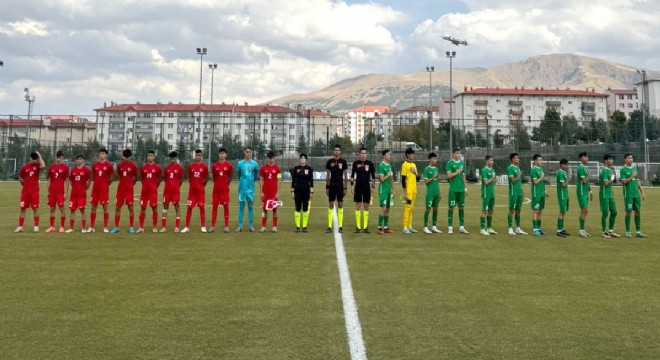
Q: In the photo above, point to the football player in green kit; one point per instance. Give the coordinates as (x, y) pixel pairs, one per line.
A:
(457, 190)
(562, 196)
(431, 174)
(487, 197)
(631, 191)
(385, 193)
(514, 174)
(605, 198)
(538, 194)
(584, 193)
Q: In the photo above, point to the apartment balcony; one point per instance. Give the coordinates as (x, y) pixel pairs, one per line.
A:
(515, 102)
(186, 120)
(481, 122)
(516, 112)
(481, 102)
(555, 104)
(117, 119)
(481, 112)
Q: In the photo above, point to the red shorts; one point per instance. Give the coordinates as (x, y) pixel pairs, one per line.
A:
(124, 198)
(29, 199)
(150, 198)
(171, 197)
(100, 197)
(77, 202)
(55, 200)
(196, 199)
(266, 198)
(220, 198)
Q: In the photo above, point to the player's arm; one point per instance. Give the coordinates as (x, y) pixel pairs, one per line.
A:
(42, 163)
(89, 180)
(353, 175)
(279, 181)
(137, 174)
(311, 181)
(454, 174)
(404, 174)
(230, 174)
(206, 178)
(641, 191)
(536, 179)
(426, 178)
(345, 175)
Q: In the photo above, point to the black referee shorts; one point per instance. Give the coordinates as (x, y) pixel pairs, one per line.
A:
(336, 192)
(362, 194)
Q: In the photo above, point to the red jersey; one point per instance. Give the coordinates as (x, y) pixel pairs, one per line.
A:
(270, 175)
(79, 178)
(173, 177)
(150, 175)
(197, 174)
(57, 174)
(102, 173)
(222, 172)
(30, 175)
(127, 172)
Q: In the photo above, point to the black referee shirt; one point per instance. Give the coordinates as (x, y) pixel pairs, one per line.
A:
(302, 178)
(363, 172)
(336, 168)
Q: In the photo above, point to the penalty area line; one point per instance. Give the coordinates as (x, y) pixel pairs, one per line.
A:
(353, 328)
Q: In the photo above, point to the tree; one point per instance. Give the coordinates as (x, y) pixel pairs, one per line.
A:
(570, 130)
(345, 142)
(319, 148)
(183, 152)
(550, 127)
(521, 137)
(232, 145)
(302, 145)
(498, 139)
(370, 141)
(618, 127)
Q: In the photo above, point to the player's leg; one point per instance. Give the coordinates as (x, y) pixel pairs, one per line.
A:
(106, 216)
(83, 219)
(460, 203)
(51, 217)
(305, 210)
(201, 204)
(582, 201)
(613, 214)
(21, 216)
(604, 205)
(489, 217)
(215, 203)
(241, 210)
(225, 210)
(340, 207)
(358, 215)
(275, 220)
(297, 214)
(143, 214)
(366, 200)
(131, 212)
(177, 220)
(92, 211)
(637, 208)
(264, 214)
(435, 204)
(484, 214)
(35, 215)
(451, 203)
(190, 204)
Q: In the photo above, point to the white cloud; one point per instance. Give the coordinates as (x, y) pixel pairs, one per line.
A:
(26, 27)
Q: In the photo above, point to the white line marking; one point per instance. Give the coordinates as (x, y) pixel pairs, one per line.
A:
(353, 328)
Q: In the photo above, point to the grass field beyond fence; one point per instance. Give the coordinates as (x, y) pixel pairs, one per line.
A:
(277, 296)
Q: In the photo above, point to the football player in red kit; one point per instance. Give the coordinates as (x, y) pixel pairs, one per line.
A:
(198, 176)
(127, 172)
(29, 178)
(58, 187)
(102, 173)
(222, 173)
(172, 194)
(270, 176)
(150, 175)
(80, 178)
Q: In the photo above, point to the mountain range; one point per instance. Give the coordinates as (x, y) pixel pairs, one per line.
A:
(401, 91)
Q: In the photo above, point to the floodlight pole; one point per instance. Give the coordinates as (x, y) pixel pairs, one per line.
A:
(430, 70)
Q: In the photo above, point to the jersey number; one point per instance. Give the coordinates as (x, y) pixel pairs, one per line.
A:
(77, 177)
(197, 174)
(149, 175)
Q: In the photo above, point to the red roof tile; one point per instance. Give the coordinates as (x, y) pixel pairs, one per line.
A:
(540, 92)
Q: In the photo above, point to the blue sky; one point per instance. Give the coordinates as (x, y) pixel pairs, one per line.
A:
(76, 55)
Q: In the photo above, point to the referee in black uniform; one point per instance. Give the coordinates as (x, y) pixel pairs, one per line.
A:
(302, 188)
(336, 176)
(363, 180)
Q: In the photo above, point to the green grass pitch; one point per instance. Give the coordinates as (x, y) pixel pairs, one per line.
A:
(277, 296)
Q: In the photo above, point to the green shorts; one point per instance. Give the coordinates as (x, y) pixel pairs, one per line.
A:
(583, 201)
(632, 204)
(538, 203)
(607, 205)
(563, 206)
(384, 199)
(487, 204)
(515, 202)
(432, 201)
(456, 199)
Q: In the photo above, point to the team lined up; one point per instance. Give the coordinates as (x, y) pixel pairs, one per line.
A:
(74, 183)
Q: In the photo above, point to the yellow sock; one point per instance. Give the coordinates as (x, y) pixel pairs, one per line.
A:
(329, 218)
(296, 216)
(357, 219)
(365, 218)
(305, 217)
(340, 217)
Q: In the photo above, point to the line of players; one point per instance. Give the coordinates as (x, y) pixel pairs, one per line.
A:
(362, 183)
(73, 184)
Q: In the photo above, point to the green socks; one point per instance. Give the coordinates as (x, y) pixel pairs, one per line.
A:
(461, 216)
(426, 219)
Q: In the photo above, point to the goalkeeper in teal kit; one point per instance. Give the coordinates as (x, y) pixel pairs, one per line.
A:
(248, 172)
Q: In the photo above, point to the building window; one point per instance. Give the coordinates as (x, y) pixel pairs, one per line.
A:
(527, 108)
(621, 97)
(171, 115)
(159, 114)
(622, 105)
(170, 126)
(629, 97)
(630, 106)
(170, 136)
(570, 102)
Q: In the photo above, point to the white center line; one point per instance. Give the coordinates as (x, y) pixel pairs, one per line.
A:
(353, 328)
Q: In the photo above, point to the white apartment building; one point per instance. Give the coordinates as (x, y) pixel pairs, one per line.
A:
(649, 94)
(362, 120)
(623, 100)
(121, 125)
(48, 131)
(487, 110)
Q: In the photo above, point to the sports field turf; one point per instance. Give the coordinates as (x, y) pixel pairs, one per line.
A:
(277, 296)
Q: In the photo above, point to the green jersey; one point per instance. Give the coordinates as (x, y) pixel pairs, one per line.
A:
(605, 190)
(562, 191)
(538, 190)
(385, 170)
(456, 183)
(432, 187)
(582, 188)
(487, 191)
(512, 171)
(630, 190)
